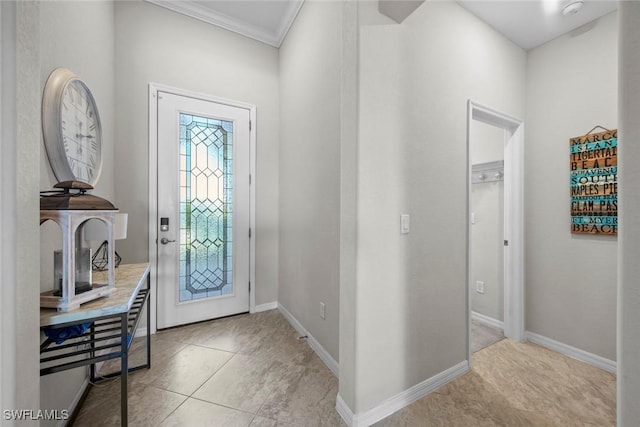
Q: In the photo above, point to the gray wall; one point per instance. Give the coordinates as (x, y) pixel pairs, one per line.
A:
(20, 112)
(156, 45)
(348, 199)
(570, 279)
(411, 289)
(78, 36)
(486, 144)
(629, 249)
(309, 252)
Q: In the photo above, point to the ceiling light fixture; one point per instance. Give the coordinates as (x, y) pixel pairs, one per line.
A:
(572, 8)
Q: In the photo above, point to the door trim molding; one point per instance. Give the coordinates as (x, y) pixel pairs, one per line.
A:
(154, 88)
(514, 218)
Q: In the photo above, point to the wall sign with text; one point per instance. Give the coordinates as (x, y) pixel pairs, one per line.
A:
(594, 183)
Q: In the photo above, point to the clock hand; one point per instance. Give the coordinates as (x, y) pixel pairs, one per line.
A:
(78, 135)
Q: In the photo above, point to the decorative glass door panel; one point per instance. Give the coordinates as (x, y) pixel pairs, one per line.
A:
(206, 207)
(204, 201)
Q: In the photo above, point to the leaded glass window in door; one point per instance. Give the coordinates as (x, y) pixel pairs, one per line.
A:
(206, 207)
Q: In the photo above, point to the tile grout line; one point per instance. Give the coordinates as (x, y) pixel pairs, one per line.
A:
(187, 397)
(212, 375)
(223, 406)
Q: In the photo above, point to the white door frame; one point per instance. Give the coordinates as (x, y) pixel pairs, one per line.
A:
(154, 88)
(513, 214)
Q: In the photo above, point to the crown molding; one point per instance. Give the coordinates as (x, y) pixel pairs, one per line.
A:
(195, 10)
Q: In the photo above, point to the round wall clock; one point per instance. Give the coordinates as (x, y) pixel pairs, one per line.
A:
(71, 128)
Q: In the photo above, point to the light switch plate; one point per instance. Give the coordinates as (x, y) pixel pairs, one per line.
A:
(405, 223)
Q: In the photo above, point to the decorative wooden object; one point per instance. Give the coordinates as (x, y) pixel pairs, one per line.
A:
(71, 211)
(594, 182)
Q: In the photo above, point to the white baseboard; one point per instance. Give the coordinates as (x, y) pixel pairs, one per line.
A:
(313, 343)
(140, 332)
(400, 400)
(576, 353)
(344, 411)
(267, 306)
(489, 321)
(76, 400)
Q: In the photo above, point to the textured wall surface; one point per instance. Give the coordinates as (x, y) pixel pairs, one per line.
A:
(570, 279)
(309, 253)
(628, 266)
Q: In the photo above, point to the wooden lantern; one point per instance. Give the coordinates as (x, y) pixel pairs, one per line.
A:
(71, 211)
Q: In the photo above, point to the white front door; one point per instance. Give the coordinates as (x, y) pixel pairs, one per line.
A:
(203, 210)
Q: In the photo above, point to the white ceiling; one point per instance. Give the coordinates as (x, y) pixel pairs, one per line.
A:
(528, 23)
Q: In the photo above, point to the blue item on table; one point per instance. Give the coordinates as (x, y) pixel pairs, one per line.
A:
(60, 335)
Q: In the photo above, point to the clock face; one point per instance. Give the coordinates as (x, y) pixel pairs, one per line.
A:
(71, 128)
(80, 127)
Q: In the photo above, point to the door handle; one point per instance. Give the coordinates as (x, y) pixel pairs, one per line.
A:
(164, 241)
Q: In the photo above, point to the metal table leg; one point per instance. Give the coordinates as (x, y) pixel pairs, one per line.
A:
(124, 370)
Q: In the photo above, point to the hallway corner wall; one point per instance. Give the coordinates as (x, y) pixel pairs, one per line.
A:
(570, 281)
(309, 181)
(415, 81)
(19, 213)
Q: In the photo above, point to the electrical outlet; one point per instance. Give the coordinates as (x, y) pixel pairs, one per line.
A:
(479, 287)
(322, 310)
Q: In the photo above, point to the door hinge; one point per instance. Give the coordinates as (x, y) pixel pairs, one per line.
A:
(249, 232)
(249, 124)
(249, 179)
(249, 287)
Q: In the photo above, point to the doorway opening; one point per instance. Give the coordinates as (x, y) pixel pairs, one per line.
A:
(486, 152)
(495, 227)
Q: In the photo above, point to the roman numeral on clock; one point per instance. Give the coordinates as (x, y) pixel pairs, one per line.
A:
(70, 94)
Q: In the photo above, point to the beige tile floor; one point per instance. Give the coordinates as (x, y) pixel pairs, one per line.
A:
(483, 336)
(247, 370)
(517, 384)
(251, 370)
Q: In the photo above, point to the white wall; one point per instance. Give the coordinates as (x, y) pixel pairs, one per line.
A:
(20, 112)
(629, 249)
(78, 36)
(309, 252)
(570, 279)
(487, 233)
(415, 80)
(156, 45)
(348, 199)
